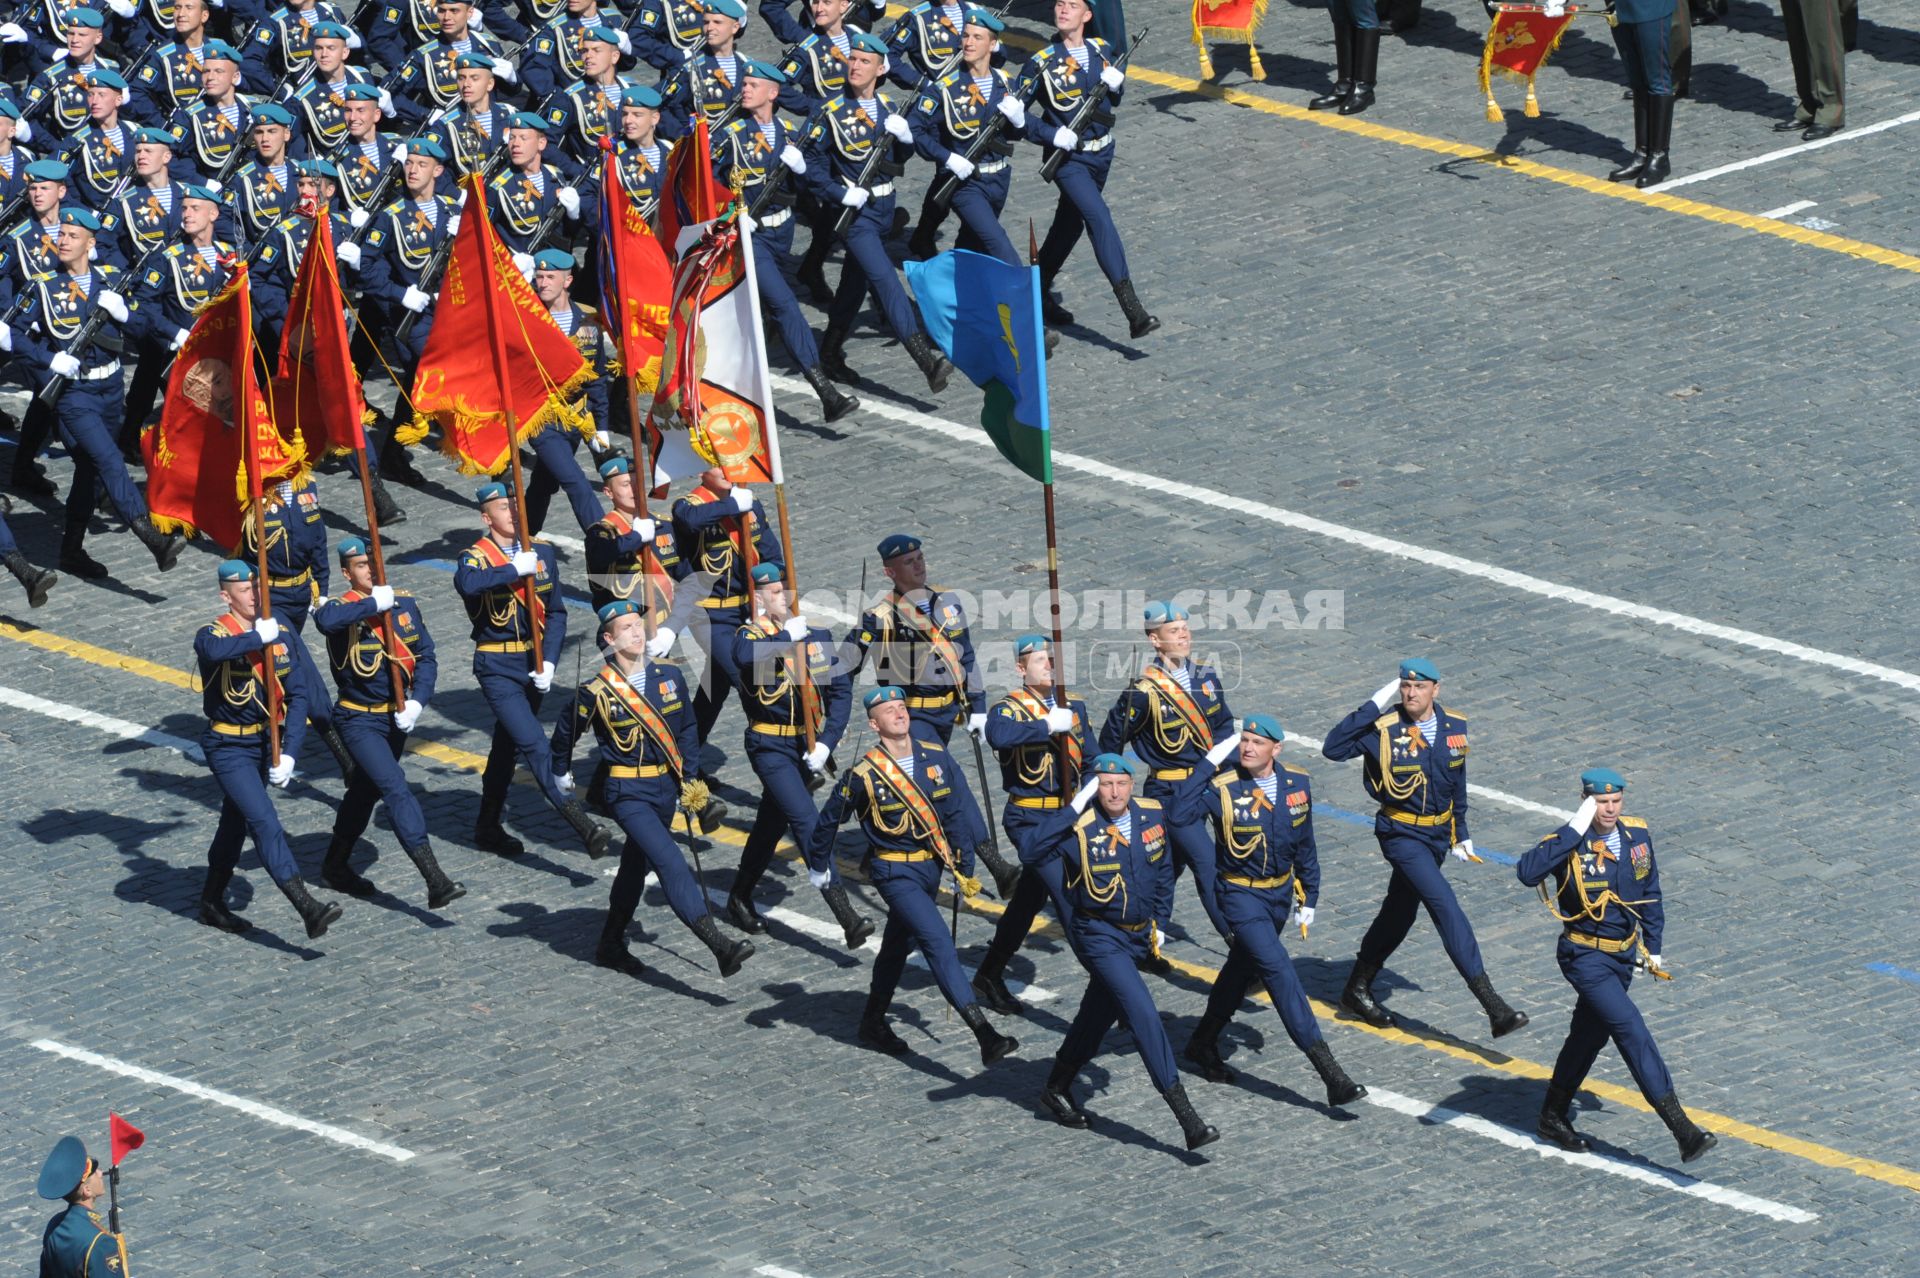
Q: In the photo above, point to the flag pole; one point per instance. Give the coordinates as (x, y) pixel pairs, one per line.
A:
(1067, 783)
(616, 309)
(250, 444)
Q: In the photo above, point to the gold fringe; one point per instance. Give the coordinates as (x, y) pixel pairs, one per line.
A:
(558, 408)
(411, 432)
(1488, 70)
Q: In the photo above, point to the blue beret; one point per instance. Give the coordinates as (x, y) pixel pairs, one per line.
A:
(74, 215)
(473, 60)
(272, 113)
(1109, 765)
(526, 120)
(328, 31)
(362, 92)
(1030, 643)
(616, 465)
(101, 78)
(1602, 781)
(427, 147)
(866, 42)
(495, 491)
(766, 571)
(234, 570)
(604, 34)
(85, 17)
(9, 108)
(762, 71)
(194, 191)
(319, 169)
(352, 548)
(897, 545)
(553, 260)
(732, 8)
(611, 612)
(66, 1166)
(880, 696)
(47, 171)
(1262, 725)
(643, 95)
(155, 137)
(218, 50)
(981, 18)
(1160, 612)
(1419, 668)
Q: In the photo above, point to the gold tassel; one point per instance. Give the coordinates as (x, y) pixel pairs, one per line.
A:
(407, 434)
(1494, 114)
(1206, 64)
(1253, 61)
(1533, 103)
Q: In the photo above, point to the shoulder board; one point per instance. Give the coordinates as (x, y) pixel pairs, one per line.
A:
(1295, 772)
(1087, 818)
(1147, 805)
(106, 268)
(1451, 713)
(174, 250)
(950, 80)
(1224, 779)
(1636, 823)
(1387, 720)
(43, 277)
(587, 314)
(1101, 45)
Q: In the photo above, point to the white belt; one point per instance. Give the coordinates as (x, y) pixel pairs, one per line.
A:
(776, 219)
(997, 166)
(885, 188)
(101, 373)
(1098, 144)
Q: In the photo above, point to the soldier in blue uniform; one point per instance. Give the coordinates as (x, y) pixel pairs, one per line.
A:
(758, 148)
(1044, 740)
(14, 156)
(276, 264)
(384, 665)
(168, 79)
(709, 82)
(1261, 813)
(947, 118)
(172, 286)
(619, 544)
(512, 676)
(920, 642)
(35, 581)
(76, 1242)
(146, 214)
(556, 467)
(840, 138)
(797, 699)
(395, 250)
(88, 413)
(368, 160)
(1640, 32)
(1172, 715)
(282, 45)
(638, 710)
(924, 45)
(426, 81)
(101, 152)
(67, 78)
(816, 66)
(1119, 873)
(640, 153)
(216, 124)
(901, 792)
(1414, 753)
(29, 250)
(586, 110)
(233, 652)
(552, 57)
(1356, 50)
(265, 188)
(666, 33)
(315, 97)
(707, 530)
(1606, 896)
(522, 199)
(1054, 84)
(474, 129)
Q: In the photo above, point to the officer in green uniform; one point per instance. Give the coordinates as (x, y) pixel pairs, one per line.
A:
(1817, 42)
(77, 1242)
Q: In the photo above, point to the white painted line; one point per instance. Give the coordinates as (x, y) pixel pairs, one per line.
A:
(775, 1271)
(1788, 210)
(1440, 1116)
(824, 931)
(1520, 581)
(1845, 135)
(122, 728)
(266, 1113)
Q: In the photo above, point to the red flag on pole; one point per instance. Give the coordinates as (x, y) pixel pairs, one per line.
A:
(124, 1137)
(316, 389)
(689, 193)
(636, 279)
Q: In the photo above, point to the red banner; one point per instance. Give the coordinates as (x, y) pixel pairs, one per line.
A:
(196, 454)
(689, 195)
(316, 389)
(1519, 42)
(636, 281)
(123, 1136)
(457, 384)
(1228, 20)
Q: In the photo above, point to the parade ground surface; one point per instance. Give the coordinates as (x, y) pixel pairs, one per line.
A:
(1628, 466)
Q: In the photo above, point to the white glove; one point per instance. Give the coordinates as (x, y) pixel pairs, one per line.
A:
(661, 643)
(382, 598)
(1388, 696)
(125, 8)
(407, 715)
(1084, 795)
(523, 263)
(1463, 850)
(856, 197)
(349, 252)
(526, 563)
(353, 39)
(23, 132)
(386, 109)
(113, 304)
(626, 45)
(180, 336)
(213, 186)
(977, 725)
(1014, 110)
(820, 878)
(1113, 78)
(1220, 753)
(818, 756)
(6, 337)
(1583, 816)
(505, 70)
(897, 126)
(13, 33)
(268, 629)
(1654, 964)
(477, 20)
(359, 218)
(543, 677)
(64, 364)
(1059, 719)
(569, 200)
(414, 300)
(1304, 916)
(791, 157)
(646, 528)
(602, 441)
(563, 782)
(959, 165)
(742, 499)
(453, 223)
(1066, 139)
(282, 772)
(796, 628)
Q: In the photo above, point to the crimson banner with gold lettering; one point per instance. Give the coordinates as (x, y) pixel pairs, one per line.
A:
(636, 280)
(1519, 42)
(316, 389)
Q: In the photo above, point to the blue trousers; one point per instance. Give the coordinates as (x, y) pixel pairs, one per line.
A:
(977, 202)
(556, 467)
(1355, 13)
(239, 765)
(938, 725)
(319, 698)
(1258, 915)
(1082, 207)
(1417, 881)
(516, 730)
(1193, 850)
(786, 806)
(375, 745)
(644, 808)
(1115, 992)
(1604, 1011)
(722, 674)
(772, 259)
(869, 269)
(1037, 885)
(7, 544)
(1643, 51)
(910, 889)
(88, 420)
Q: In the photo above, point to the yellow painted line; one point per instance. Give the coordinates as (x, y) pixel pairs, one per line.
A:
(1469, 1053)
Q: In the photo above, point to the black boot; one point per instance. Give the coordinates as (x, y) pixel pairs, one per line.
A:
(857, 927)
(30, 477)
(1005, 875)
(1139, 323)
(395, 462)
(440, 889)
(166, 547)
(834, 402)
(491, 836)
(338, 875)
(612, 950)
(591, 832)
(1556, 1127)
(993, 1044)
(924, 243)
(1659, 141)
(1057, 1098)
(728, 954)
(1341, 1090)
(990, 987)
(74, 559)
(213, 905)
(1637, 164)
(1357, 997)
(316, 916)
(1203, 1049)
(1693, 1141)
(1196, 1132)
(1405, 15)
(1502, 1018)
(385, 508)
(1366, 64)
(931, 362)
(833, 356)
(1052, 314)
(876, 1033)
(38, 581)
(741, 914)
(1343, 70)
